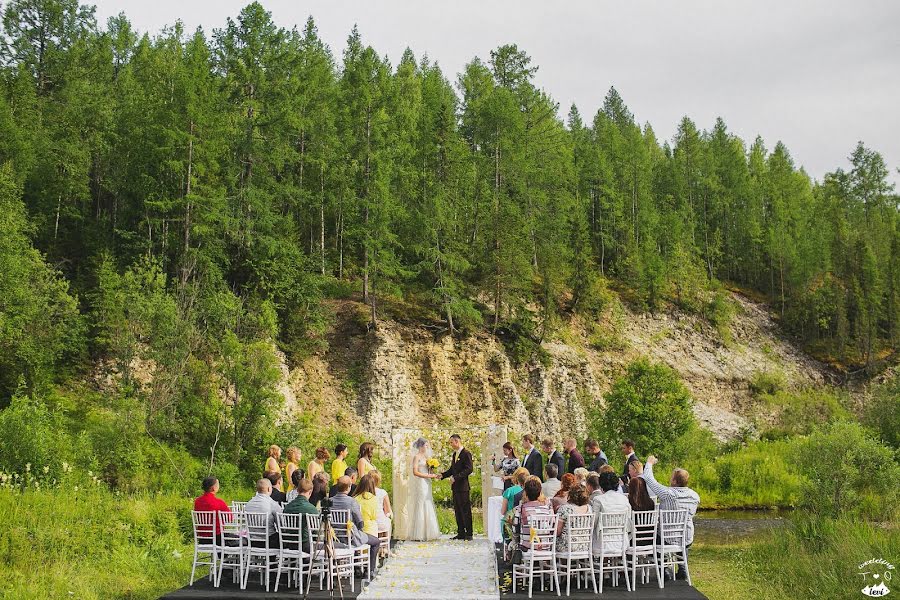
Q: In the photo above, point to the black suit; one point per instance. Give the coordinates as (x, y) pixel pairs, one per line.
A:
(625, 477)
(460, 469)
(598, 462)
(556, 457)
(534, 462)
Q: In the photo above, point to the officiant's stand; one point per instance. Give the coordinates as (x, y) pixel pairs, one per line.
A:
(484, 441)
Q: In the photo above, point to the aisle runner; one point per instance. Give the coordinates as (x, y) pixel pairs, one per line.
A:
(444, 569)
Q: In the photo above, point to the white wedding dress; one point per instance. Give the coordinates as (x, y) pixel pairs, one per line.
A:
(423, 523)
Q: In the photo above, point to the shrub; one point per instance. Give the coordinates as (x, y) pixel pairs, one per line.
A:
(31, 438)
(882, 413)
(767, 382)
(798, 412)
(649, 404)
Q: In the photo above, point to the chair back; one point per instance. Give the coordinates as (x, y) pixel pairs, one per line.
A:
(258, 528)
(340, 521)
(231, 529)
(204, 526)
(290, 530)
(580, 532)
(643, 527)
(541, 532)
(313, 525)
(612, 533)
(238, 506)
(673, 527)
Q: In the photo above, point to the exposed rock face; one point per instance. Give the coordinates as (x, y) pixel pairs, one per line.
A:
(404, 376)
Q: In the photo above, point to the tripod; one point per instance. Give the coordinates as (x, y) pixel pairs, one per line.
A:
(324, 544)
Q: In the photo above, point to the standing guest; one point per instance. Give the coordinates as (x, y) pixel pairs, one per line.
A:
(351, 473)
(562, 496)
(272, 461)
(320, 488)
(575, 459)
(368, 503)
(301, 505)
(385, 513)
(262, 503)
(364, 462)
(553, 455)
(208, 501)
(552, 485)
(630, 457)
(317, 465)
(577, 505)
(599, 456)
(277, 495)
(293, 464)
(339, 465)
(358, 536)
(532, 459)
(508, 464)
(677, 497)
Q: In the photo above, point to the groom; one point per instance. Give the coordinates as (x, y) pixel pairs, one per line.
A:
(459, 471)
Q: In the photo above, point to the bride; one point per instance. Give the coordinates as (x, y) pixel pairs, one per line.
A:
(423, 523)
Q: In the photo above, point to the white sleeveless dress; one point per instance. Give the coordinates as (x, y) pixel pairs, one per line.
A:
(423, 523)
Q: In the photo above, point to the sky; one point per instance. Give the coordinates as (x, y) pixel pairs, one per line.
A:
(818, 75)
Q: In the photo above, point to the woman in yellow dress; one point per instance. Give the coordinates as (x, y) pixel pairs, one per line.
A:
(364, 462)
(272, 465)
(293, 463)
(339, 465)
(368, 504)
(317, 465)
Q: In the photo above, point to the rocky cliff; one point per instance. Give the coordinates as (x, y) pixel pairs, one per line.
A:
(407, 376)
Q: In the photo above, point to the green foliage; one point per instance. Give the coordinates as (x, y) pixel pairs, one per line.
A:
(649, 405)
(882, 412)
(798, 412)
(859, 477)
(767, 383)
(30, 438)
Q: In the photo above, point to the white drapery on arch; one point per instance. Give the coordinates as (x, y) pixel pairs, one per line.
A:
(482, 442)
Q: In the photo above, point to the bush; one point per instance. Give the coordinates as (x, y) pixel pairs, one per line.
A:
(796, 413)
(882, 413)
(767, 382)
(31, 438)
(848, 472)
(650, 405)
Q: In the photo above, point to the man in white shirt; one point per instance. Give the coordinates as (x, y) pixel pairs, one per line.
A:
(677, 497)
(262, 503)
(606, 498)
(552, 485)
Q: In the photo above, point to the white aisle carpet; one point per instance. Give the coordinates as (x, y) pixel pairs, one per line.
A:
(441, 569)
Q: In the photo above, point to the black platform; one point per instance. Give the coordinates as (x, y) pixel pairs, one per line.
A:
(203, 590)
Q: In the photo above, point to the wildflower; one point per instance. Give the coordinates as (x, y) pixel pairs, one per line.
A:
(75, 489)
(27, 467)
(46, 468)
(65, 467)
(176, 554)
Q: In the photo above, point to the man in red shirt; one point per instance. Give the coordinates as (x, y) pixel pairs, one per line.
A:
(208, 501)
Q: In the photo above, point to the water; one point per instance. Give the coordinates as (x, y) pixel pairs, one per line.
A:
(733, 526)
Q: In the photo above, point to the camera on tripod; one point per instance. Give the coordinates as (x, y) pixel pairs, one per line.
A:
(325, 507)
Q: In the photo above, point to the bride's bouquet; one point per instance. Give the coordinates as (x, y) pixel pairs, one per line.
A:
(432, 464)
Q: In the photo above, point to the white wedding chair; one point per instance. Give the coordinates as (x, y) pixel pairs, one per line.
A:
(205, 549)
(333, 566)
(580, 532)
(257, 525)
(291, 557)
(540, 559)
(609, 547)
(672, 549)
(232, 546)
(238, 507)
(343, 528)
(643, 546)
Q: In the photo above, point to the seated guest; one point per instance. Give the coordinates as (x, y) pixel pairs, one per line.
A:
(638, 496)
(508, 465)
(339, 465)
(208, 501)
(635, 468)
(385, 514)
(296, 476)
(302, 506)
(580, 474)
(598, 456)
(317, 465)
(577, 505)
(531, 503)
(368, 504)
(677, 497)
(277, 494)
(562, 496)
(341, 501)
(610, 499)
(262, 503)
(575, 459)
(509, 494)
(320, 488)
(554, 455)
(552, 485)
(353, 474)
